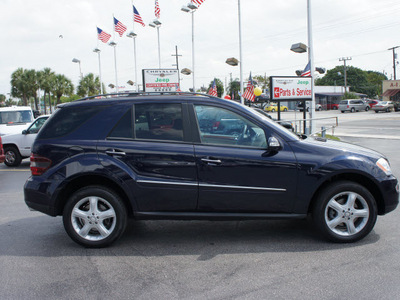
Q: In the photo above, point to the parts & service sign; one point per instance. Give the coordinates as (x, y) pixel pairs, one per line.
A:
(160, 80)
(291, 88)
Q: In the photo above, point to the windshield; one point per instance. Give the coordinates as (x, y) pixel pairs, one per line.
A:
(11, 117)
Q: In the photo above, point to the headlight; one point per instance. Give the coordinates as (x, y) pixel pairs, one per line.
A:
(383, 164)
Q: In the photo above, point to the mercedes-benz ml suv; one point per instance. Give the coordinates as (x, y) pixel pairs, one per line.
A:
(98, 162)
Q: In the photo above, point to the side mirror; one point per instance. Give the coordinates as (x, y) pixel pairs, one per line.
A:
(24, 131)
(274, 144)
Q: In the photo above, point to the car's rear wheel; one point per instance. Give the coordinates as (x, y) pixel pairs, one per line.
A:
(94, 217)
(285, 109)
(352, 110)
(12, 156)
(342, 111)
(273, 110)
(345, 212)
(376, 111)
(367, 108)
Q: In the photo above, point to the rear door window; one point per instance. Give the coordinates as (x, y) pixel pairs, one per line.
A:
(159, 121)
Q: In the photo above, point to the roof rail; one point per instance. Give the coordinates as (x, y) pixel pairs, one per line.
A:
(136, 94)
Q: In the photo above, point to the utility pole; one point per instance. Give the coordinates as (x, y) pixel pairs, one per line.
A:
(394, 61)
(177, 64)
(344, 59)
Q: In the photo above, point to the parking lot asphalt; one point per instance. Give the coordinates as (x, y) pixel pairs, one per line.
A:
(202, 259)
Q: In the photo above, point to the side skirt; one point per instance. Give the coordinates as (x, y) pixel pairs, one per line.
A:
(213, 216)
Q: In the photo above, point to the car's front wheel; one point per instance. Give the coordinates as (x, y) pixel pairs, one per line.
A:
(345, 212)
(94, 216)
(12, 156)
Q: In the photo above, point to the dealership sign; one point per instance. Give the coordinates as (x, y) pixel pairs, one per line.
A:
(160, 80)
(290, 88)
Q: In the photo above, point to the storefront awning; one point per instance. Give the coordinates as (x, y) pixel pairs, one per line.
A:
(391, 93)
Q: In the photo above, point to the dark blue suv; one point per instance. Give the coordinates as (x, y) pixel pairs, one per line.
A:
(98, 162)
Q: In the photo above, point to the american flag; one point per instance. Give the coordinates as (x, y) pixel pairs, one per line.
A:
(102, 35)
(307, 71)
(157, 10)
(137, 17)
(249, 93)
(119, 27)
(213, 90)
(198, 2)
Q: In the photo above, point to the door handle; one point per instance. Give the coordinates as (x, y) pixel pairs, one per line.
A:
(114, 152)
(211, 161)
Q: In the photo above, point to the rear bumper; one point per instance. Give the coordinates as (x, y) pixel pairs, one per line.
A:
(37, 199)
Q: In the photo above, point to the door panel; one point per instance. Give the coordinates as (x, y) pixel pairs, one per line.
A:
(245, 180)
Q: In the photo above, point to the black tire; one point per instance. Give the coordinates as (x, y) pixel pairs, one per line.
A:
(273, 110)
(285, 109)
(376, 111)
(335, 212)
(342, 111)
(352, 110)
(107, 215)
(13, 157)
(367, 108)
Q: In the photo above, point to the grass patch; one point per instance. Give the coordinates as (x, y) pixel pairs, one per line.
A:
(330, 137)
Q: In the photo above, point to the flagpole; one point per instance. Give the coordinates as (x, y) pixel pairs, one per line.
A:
(134, 49)
(114, 45)
(312, 68)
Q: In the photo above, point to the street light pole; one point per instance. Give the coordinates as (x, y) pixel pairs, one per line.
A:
(191, 8)
(240, 54)
(177, 63)
(114, 45)
(157, 24)
(75, 60)
(97, 50)
(312, 68)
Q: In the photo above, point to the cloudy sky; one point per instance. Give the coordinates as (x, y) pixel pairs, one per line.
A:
(50, 33)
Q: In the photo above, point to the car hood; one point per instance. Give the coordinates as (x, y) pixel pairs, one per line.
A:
(343, 147)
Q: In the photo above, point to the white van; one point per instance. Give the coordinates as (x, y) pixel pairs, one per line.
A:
(15, 119)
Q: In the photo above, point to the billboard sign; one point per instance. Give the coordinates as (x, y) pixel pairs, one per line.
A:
(160, 80)
(290, 88)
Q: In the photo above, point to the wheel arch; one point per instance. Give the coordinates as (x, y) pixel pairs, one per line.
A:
(361, 179)
(91, 180)
(5, 145)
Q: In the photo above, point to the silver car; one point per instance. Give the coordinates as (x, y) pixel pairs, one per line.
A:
(386, 106)
(353, 105)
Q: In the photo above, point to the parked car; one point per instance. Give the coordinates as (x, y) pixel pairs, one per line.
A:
(273, 107)
(332, 106)
(18, 146)
(14, 119)
(353, 105)
(284, 123)
(2, 156)
(396, 105)
(98, 162)
(300, 106)
(386, 106)
(372, 103)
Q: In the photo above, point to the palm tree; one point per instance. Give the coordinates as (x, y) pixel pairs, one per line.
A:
(31, 81)
(46, 78)
(61, 86)
(18, 87)
(89, 85)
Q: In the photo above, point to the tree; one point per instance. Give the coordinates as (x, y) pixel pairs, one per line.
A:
(220, 86)
(46, 78)
(359, 81)
(18, 87)
(233, 89)
(31, 80)
(89, 86)
(61, 86)
(262, 81)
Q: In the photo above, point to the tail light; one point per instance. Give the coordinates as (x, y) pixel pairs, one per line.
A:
(348, 106)
(39, 164)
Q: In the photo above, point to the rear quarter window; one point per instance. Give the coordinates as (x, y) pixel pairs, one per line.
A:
(66, 120)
